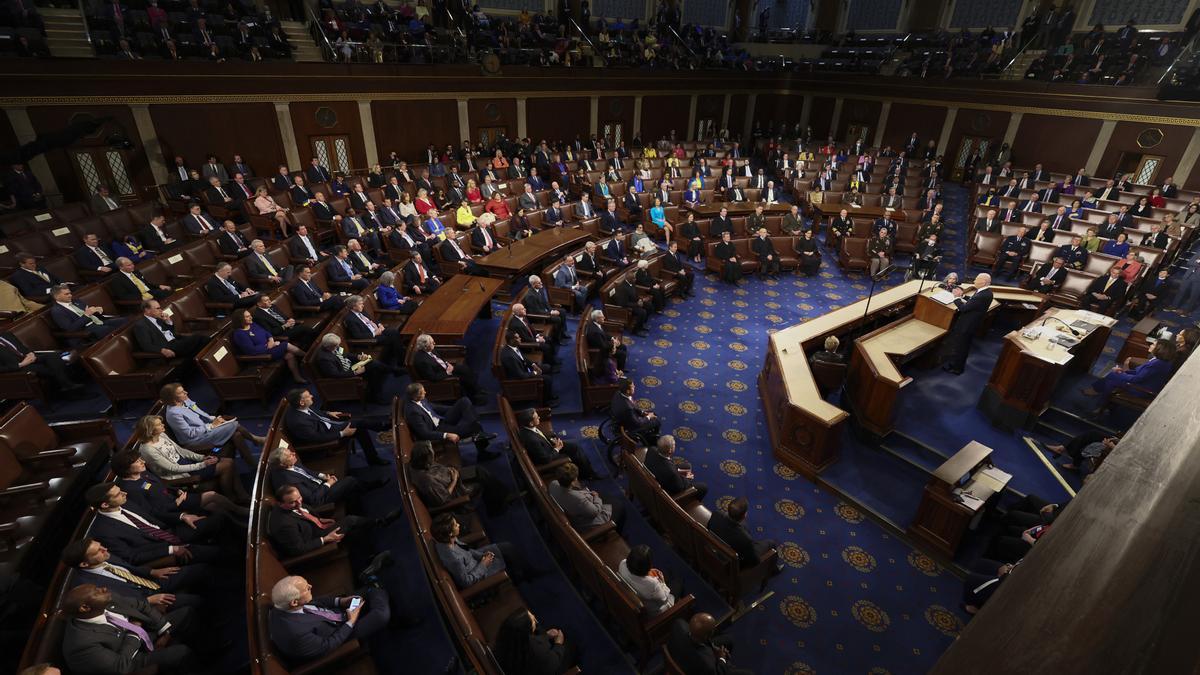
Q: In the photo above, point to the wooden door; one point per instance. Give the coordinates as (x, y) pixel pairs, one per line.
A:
(333, 152)
(102, 166)
(968, 147)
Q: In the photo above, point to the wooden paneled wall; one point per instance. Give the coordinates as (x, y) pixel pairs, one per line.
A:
(345, 122)
(196, 131)
(551, 118)
(407, 127)
(51, 120)
(1059, 143)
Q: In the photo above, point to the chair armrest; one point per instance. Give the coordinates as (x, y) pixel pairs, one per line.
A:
(453, 351)
(63, 456)
(337, 658)
(598, 532)
(27, 489)
(205, 321)
(686, 495)
(451, 505)
(149, 356)
(489, 583)
(70, 335)
(253, 358)
(68, 432)
(219, 306)
(681, 608)
(329, 550)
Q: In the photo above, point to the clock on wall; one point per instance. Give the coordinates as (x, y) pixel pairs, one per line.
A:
(1149, 138)
(326, 118)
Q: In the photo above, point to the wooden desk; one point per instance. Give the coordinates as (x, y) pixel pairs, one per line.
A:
(520, 257)
(875, 379)
(1029, 368)
(449, 311)
(943, 515)
(1136, 345)
(872, 212)
(736, 209)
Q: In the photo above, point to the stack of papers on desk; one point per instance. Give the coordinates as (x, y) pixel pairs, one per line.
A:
(943, 296)
(993, 478)
(970, 501)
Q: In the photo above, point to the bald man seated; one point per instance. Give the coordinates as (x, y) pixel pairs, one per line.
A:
(696, 649)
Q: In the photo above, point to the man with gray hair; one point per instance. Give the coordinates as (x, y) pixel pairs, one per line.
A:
(971, 312)
(223, 288)
(74, 316)
(432, 367)
(610, 347)
(315, 487)
(674, 476)
(360, 326)
(304, 628)
(260, 268)
(537, 301)
(330, 361)
(566, 277)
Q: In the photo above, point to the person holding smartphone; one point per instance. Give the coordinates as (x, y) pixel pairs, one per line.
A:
(303, 628)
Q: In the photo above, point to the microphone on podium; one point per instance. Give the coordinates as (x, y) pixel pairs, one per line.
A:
(1073, 330)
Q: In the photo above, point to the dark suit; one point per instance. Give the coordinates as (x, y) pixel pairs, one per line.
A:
(517, 367)
(148, 338)
(292, 534)
(598, 338)
(303, 636)
(634, 420)
(720, 225)
(971, 313)
(314, 490)
(1014, 244)
(452, 254)
(32, 285)
(762, 248)
(412, 278)
(103, 648)
(427, 368)
(48, 367)
(626, 295)
(1159, 240)
(1115, 293)
(731, 267)
(309, 295)
(459, 419)
(232, 243)
(336, 270)
(274, 321)
(1048, 279)
(667, 474)
(541, 451)
(71, 322)
(314, 427)
(219, 292)
(122, 288)
(138, 546)
(328, 365)
(88, 259)
(298, 251)
(749, 551)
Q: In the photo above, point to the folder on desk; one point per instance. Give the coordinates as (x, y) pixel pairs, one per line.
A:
(943, 296)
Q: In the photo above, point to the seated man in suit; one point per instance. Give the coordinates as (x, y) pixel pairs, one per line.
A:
(222, 287)
(362, 261)
(32, 281)
(483, 237)
(109, 634)
(609, 346)
(129, 284)
(583, 507)
(720, 224)
(519, 323)
(537, 301)
(294, 530)
(566, 277)
(267, 315)
(140, 537)
(340, 270)
(163, 587)
(306, 293)
(696, 649)
(453, 423)
(301, 246)
(216, 193)
(453, 253)
(315, 488)
(402, 238)
(331, 361)
(154, 237)
(304, 628)
(528, 201)
(306, 426)
(1143, 381)
(360, 326)
(418, 278)
(517, 367)
(433, 368)
(155, 333)
(102, 201)
(197, 222)
(323, 210)
(1049, 277)
(589, 262)
(49, 368)
(231, 242)
(94, 256)
(76, 317)
(260, 268)
(672, 476)
(638, 423)
(1157, 238)
(1012, 253)
(543, 449)
(1105, 292)
(730, 526)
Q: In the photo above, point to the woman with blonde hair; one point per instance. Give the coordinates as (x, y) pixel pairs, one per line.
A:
(169, 460)
(267, 206)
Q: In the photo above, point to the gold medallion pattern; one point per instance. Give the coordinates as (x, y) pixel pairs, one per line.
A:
(798, 611)
(698, 363)
(858, 559)
(693, 383)
(651, 381)
(785, 472)
(871, 616)
(734, 436)
(735, 409)
(733, 468)
(789, 509)
(848, 513)
(944, 620)
(689, 407)
(685, 433)
(736, 385)
(928, 566)
(791, 554)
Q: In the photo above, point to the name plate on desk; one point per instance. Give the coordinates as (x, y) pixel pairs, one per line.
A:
(60, 231)
(175, 259)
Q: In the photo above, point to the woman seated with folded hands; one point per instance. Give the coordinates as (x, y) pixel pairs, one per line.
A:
(251, 339)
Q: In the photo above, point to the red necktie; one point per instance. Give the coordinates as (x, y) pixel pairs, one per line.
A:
(156, 532)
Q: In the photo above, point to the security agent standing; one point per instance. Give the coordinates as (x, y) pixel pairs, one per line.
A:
(971, 312)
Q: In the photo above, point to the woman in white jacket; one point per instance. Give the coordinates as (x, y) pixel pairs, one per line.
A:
(169, 460)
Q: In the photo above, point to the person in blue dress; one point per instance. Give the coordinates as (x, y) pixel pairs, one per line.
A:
(1118, 247)
(130, 247)
(197, 430)
(658, 216)
(388, 297)
(251, 339)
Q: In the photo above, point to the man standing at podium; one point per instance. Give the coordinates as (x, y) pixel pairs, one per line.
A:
(971, 312)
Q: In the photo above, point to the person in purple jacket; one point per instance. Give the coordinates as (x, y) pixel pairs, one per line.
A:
(1148, 378)
(251, 339)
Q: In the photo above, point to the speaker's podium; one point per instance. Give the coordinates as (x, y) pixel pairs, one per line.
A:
(1033, 359)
